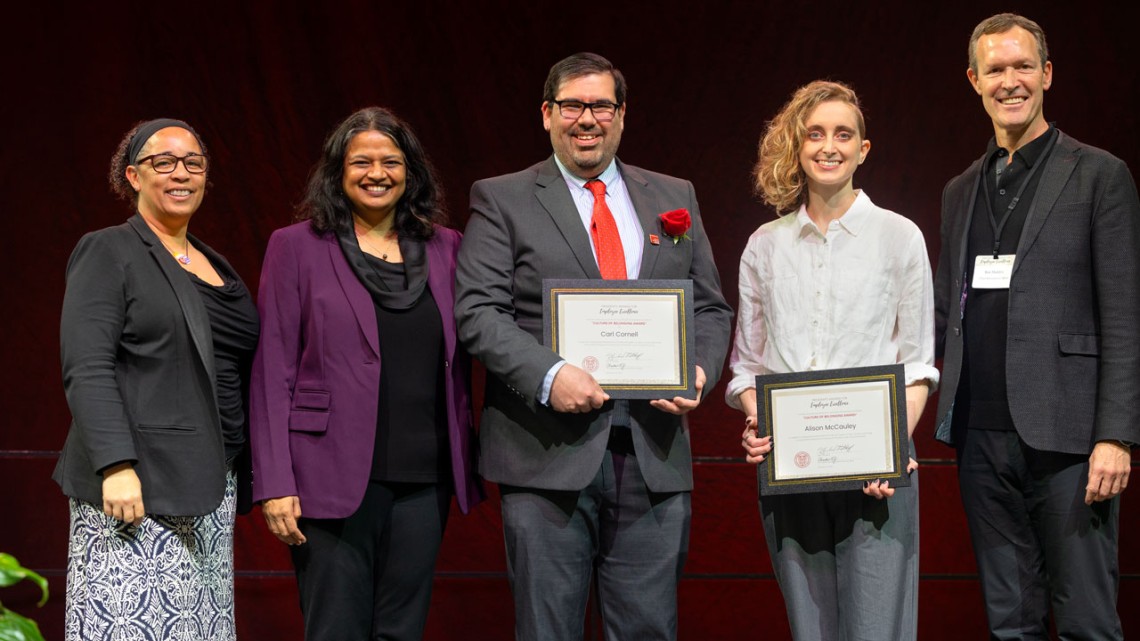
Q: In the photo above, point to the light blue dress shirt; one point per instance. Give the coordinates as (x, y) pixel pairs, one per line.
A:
(629, 229)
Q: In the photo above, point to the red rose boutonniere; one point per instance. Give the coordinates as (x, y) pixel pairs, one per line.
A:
(676, 223)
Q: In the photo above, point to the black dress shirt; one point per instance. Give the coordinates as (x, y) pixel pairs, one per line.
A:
(985, 325)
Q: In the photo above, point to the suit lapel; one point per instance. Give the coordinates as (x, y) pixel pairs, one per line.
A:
(967, 203)
(189, 300)
(439, 282)
(358, 297)
(646, 207)
(1059, 166)
(554, 195)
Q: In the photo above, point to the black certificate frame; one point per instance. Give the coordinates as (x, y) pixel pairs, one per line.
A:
(682, 289)
(893, 375)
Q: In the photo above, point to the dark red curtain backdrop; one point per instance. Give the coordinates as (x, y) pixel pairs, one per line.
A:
(264, 81)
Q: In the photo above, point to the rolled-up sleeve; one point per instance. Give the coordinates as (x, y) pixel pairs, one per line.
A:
(916, 316)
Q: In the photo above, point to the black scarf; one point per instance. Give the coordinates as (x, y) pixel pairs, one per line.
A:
(415, 268)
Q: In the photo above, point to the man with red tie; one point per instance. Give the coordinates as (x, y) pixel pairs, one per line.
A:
(588, 484)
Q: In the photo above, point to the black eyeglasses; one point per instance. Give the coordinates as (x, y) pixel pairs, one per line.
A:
(573, 109)
(166, 163)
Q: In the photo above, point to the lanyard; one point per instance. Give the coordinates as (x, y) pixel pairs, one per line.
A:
(994, 224)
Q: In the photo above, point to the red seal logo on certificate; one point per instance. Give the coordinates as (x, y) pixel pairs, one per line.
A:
(803, 459)
(590, 364)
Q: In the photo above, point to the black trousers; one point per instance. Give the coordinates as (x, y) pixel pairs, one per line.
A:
(1036, 542)
(369, 576)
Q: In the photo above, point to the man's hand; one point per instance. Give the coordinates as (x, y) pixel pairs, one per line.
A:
(122, 494)
(1109, 466)
(681, 405)
(575, 391)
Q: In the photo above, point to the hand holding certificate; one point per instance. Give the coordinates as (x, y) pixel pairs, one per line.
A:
(631, 336)
(833, 429)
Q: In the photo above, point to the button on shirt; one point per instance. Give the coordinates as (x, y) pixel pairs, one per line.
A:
(859, 295)
(629, 228)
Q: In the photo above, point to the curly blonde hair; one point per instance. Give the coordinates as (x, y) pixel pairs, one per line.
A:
(780, 180)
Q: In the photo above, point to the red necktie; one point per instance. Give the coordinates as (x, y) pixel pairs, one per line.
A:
(604, 231)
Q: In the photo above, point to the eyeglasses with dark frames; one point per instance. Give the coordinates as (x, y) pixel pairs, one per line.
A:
(167, 163)
(603, 111)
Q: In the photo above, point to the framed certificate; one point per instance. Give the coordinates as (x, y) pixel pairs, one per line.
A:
(633, 336)
(833, 429)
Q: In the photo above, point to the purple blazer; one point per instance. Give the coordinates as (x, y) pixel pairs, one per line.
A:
(316, 375)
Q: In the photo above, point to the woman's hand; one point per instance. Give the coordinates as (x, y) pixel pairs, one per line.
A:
(878, 489)
(281, 516)
(122, 494)
(755, 448)
(882, 489)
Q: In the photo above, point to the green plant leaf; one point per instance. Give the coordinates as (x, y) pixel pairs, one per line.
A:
(11, 572)
(14, 627)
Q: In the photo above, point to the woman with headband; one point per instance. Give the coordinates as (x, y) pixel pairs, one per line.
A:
(836, 283)
(156, 337)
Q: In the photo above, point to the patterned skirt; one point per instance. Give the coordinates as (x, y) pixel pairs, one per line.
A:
(169, 579)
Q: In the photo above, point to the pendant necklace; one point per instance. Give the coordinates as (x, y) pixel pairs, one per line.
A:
(383, 255)
(184, 257)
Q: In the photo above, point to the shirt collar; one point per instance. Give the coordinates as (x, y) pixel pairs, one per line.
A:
(852, 221)
(606, 176)
(1029, 154)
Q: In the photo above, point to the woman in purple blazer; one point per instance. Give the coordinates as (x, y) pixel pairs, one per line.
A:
(360, 413)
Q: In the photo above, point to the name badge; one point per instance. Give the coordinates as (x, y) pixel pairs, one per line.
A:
(993, 273)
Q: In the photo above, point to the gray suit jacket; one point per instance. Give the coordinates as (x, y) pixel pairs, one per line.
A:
(1073, 345)
(523, 228)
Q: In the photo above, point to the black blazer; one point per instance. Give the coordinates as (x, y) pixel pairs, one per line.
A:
(1073, 345)
(138, 371)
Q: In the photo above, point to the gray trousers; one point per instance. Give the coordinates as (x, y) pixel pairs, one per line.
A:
(634, 540)
(847, 563)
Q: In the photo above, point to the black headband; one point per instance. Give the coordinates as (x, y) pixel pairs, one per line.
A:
(148, 129)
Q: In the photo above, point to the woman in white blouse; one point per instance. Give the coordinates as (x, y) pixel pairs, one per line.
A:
(836, 283)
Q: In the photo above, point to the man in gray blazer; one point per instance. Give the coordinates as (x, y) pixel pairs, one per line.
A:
(589, 485)
(1037, 299)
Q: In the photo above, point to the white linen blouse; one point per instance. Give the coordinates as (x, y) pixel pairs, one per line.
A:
(857, 296)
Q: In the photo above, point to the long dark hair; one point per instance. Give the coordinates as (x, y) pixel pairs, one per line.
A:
(327, 208)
